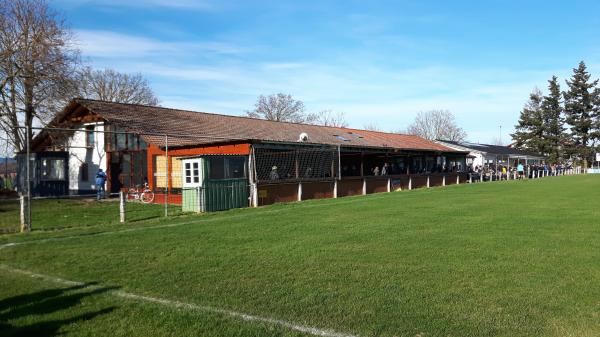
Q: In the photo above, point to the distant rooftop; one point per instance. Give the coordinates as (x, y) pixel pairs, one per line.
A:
(492, 149)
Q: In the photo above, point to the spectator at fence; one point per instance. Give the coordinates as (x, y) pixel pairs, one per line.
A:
(385, 169)
(520, 170)
(308, 173)
(100, 181)
(274, 175)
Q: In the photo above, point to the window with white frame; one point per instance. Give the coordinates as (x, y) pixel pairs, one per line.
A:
(191, 172)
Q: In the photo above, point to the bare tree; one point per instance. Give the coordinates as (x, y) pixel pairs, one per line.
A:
(372, 127)
(282, 108)
(497, 141)
(330, 118)
(436, 124)
(36, 66)
(113, 86)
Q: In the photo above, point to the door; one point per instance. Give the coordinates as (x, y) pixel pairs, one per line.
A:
(192, 196)
(115, 172)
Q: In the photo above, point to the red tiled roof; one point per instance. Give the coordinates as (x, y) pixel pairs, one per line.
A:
(187, 128)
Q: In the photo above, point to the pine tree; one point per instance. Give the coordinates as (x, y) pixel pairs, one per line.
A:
(596, 116)
(529, 132)
(553, 138)
(580, 111)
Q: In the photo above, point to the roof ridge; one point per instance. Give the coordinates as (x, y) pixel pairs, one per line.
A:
(79, 99)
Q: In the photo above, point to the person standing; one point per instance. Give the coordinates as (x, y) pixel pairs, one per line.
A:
(376, 171)
(385, 169)
(100, 181)
(274, 175)
(520, 170)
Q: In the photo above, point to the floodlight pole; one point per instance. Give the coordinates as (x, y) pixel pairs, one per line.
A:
(27, 224)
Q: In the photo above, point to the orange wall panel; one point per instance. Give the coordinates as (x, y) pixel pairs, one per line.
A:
(229, 149)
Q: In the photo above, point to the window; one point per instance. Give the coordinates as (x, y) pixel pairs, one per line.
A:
(340, 137)
(236, 167)
(53, 169)
(230, 167)
(195, 172)
(217, 168)
(121, 141)
(90, 137)
(117, 139)
(83, 172)
(191, 172)
(188, 173)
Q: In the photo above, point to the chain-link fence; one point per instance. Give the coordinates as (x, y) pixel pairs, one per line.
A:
(98, 174)
(9, 202)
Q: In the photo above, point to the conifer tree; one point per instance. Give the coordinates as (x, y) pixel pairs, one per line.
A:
(580, 111)
(553, 122)
(529, 131)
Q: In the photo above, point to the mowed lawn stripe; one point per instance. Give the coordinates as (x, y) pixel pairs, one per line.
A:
(180, 305)
(515, 258)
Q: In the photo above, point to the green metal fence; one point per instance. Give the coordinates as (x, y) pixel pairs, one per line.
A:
(216, 195)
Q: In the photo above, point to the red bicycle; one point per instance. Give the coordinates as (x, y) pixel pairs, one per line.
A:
(145, 194)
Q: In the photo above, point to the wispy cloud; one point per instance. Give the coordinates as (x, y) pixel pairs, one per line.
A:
(284, 65)
(101, 43)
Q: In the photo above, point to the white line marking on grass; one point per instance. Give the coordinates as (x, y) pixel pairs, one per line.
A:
(186, 306)
(8, 245)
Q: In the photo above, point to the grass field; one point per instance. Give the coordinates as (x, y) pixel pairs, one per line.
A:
(53, 214)
(518, 258)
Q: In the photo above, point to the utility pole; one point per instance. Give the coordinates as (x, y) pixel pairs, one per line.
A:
(500, 136)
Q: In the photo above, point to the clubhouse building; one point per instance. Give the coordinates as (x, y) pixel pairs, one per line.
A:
(235, 161)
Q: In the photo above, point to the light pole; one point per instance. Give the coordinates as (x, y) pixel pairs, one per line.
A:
(500, 136)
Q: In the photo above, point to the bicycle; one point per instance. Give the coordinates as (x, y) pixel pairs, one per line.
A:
(144, 195)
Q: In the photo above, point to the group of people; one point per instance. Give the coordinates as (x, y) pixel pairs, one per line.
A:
(387, 169)
(500, 172)
(520, 171)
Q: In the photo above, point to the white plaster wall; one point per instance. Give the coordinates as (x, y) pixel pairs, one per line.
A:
(478, 160)
(95, 157)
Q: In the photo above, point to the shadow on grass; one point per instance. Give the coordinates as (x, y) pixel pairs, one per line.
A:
(34, 307)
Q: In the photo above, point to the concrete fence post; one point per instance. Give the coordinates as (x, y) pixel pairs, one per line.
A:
(335, 188)
(122, 207)
(22, 213)
(254, 188)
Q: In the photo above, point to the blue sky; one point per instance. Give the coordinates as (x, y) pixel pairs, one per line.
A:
(379, 62)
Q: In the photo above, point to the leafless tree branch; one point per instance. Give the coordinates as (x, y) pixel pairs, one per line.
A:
(436, 124)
